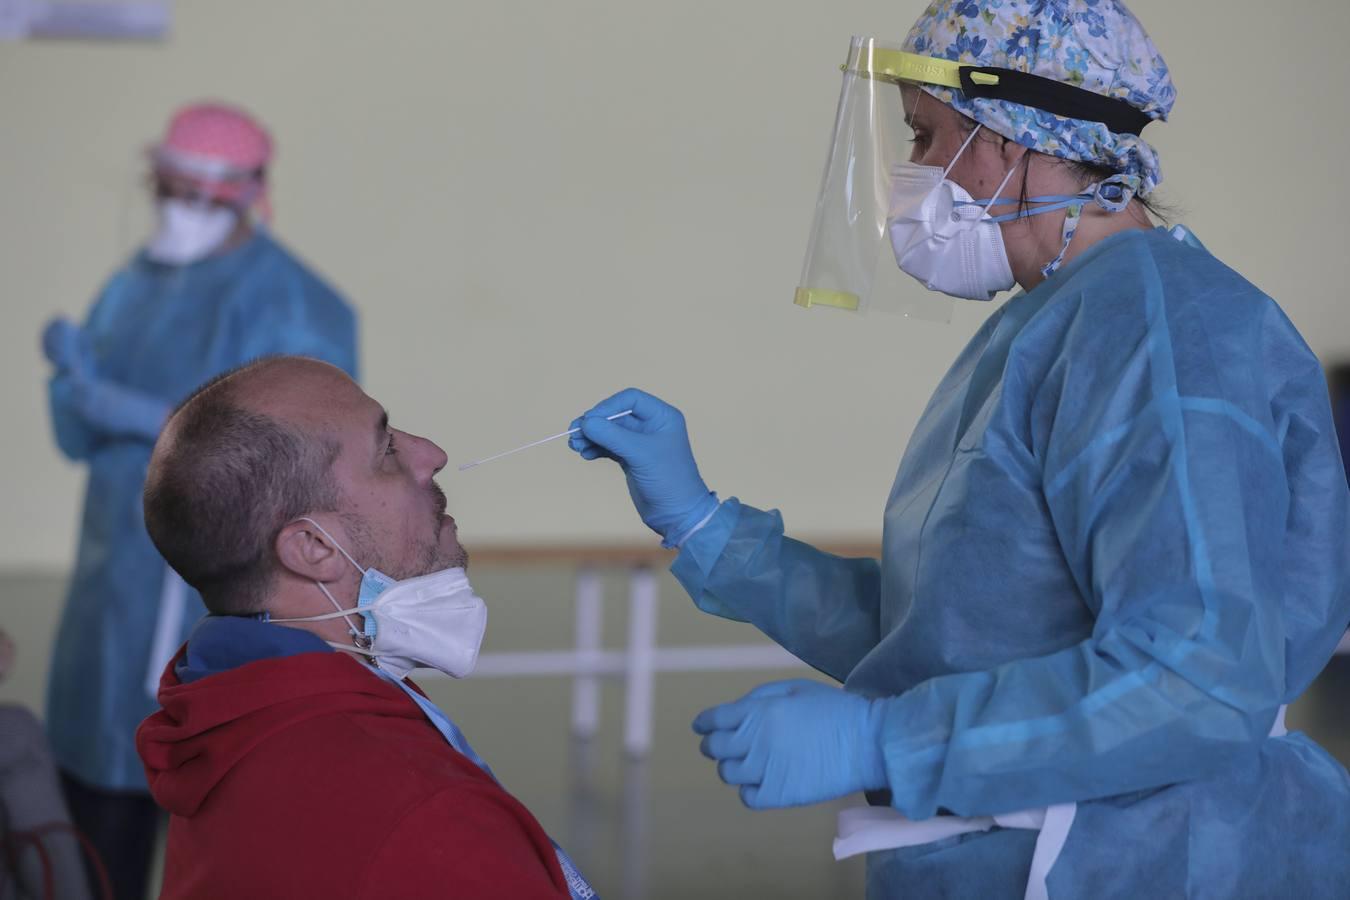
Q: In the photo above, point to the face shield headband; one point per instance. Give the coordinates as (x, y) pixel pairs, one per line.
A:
(844, 267)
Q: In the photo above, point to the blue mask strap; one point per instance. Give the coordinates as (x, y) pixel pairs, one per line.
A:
(1055, 204)
(1113, 195)
(1058, 201)
(1045, 198)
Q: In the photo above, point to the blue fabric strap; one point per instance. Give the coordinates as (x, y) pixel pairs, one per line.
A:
(1112, 194)
(1052, 204)
(577, 885)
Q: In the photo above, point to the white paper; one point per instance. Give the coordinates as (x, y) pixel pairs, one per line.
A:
(867, 829)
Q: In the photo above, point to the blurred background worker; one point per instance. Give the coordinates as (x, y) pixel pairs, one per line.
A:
(211, 289)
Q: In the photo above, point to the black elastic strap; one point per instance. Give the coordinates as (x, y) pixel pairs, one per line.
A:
(1055, 97)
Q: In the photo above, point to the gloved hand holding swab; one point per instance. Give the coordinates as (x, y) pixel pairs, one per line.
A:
(479, 462)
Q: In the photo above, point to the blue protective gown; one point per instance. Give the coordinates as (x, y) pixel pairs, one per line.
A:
(1117, 543)
(162, 331)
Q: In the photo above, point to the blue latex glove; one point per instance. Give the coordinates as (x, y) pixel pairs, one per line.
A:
(76, 438)
(790, 743)
(66, 346)
(115, 410)
(652, 447)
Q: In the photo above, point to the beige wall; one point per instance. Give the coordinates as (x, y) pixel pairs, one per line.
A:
(533, 204)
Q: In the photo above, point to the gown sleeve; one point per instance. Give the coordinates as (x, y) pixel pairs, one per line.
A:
(822, 608)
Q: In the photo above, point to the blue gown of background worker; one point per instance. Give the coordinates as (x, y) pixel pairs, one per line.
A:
(1118, 543)
(209, 292)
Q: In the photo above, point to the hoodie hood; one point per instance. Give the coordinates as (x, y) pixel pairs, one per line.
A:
(207, 725)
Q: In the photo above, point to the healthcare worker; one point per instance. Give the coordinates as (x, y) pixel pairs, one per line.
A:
(1117, 544)
(210, 290)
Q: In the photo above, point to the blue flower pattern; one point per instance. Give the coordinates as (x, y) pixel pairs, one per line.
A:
(967, 48)
(1076, 61)
(1095, 22)
(1024, 40)
(1097, 45)
(1054, 8)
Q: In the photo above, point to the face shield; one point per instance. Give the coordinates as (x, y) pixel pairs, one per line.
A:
(849, 261)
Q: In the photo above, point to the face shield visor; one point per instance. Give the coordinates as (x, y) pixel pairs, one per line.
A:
(849, 263)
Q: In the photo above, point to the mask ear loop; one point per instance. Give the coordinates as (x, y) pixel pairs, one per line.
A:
(361, 642)
(323, 531)
(947, 171)
(358, 638)
(993, 201)
(984, 205)
(909, 117)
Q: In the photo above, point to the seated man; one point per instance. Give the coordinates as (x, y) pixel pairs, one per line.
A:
(295, 759)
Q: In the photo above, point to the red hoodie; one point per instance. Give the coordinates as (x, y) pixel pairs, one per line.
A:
(310, 776)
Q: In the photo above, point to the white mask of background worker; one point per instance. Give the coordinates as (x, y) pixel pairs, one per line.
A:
(189, 231)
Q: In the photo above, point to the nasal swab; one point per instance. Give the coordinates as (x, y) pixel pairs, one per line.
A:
(479, 462)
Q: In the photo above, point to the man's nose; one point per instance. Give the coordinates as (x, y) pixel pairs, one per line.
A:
(430, 458)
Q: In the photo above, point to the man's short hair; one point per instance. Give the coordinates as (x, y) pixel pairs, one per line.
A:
(221, 490)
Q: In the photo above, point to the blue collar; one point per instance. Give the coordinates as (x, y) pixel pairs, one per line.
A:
(220, 643)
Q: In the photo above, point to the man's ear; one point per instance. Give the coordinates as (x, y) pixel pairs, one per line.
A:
(305, 551)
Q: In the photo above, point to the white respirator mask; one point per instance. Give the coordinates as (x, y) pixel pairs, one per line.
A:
(432, 621)
(944, 237)
(188, 232)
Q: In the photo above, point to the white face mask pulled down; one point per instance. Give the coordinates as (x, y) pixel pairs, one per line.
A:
(188, 232)
(944, 237)
(433, 621)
